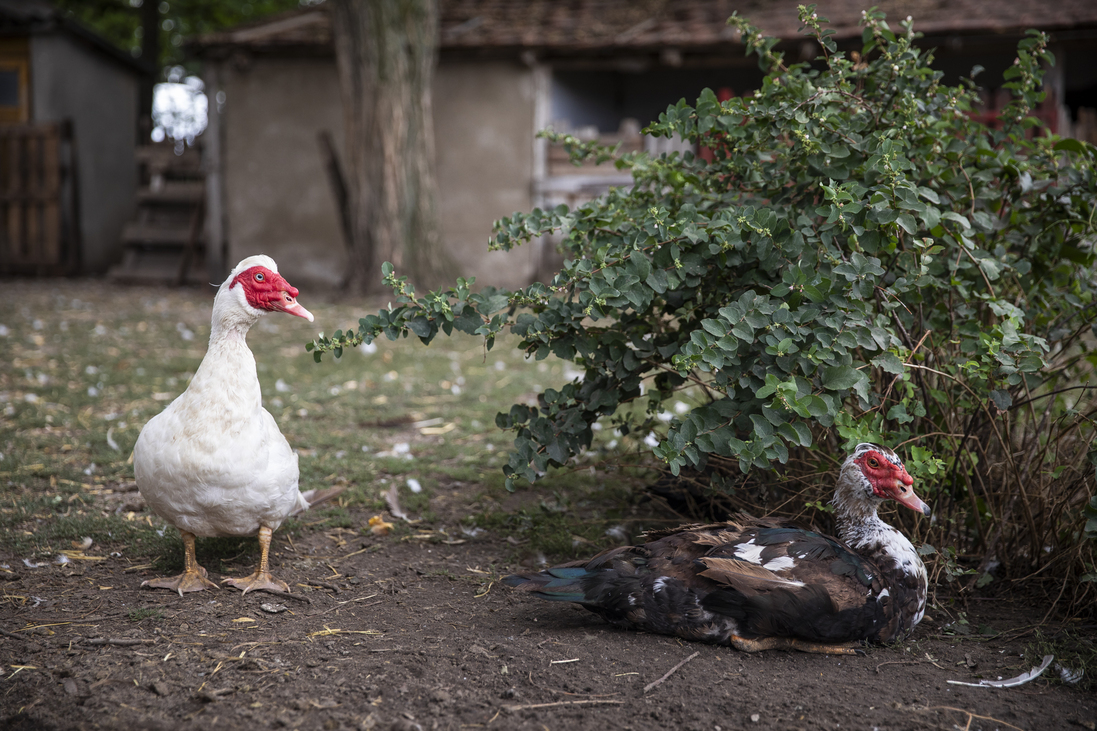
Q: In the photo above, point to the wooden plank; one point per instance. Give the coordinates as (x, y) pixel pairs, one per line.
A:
(32, 210)
(178, 192)
(15, 211)
(31, 238)
(7, 250)
(51, 204)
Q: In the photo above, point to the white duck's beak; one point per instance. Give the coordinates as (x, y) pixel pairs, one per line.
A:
(288, 304)
(295, 309)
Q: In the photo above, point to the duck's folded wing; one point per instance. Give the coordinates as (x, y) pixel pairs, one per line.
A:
(790, 582)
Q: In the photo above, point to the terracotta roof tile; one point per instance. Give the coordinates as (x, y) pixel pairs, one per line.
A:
(601, 25)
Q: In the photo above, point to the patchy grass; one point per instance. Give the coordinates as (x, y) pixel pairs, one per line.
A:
(138, 615)
(88, 364)
(1075, 656)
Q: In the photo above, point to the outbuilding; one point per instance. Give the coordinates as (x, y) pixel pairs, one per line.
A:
(68, 135)
(509, 68)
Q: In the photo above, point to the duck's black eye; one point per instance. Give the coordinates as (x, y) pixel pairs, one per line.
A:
(259, 277)
(873, 462)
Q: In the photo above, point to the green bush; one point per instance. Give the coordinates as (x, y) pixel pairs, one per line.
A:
(860, 260)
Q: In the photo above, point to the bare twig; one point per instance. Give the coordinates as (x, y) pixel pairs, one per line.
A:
(933, 662)
(972, 716)
(14, 636)
(119, 642)
(970, 190)
(898, 662)
(670, 672)
(323, 585)
(560, 703)
(355, 553)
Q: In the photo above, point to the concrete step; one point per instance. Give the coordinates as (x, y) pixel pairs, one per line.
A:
(148, 268)
(144, 234)
(173, 192)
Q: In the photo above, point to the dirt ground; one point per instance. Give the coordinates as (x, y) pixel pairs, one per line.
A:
(404, 634)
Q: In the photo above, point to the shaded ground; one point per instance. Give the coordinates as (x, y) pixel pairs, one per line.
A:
(384, 633)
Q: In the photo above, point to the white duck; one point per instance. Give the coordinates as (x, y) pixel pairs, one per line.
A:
(214, 463)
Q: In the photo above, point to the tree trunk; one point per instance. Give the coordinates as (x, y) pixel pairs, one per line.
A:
(386, 52)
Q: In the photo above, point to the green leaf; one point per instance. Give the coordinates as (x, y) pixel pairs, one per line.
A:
(1090, 512)
(1070, 145)
(908, 223)
(420, 326)
(716, 327)
(889, 362)
(1002, 399)
(839, 378)
(898, 413)
(991, 267)
(657, 280)
(954, 216)
(984, 220)
(803, 433)
(762, 427)
(557, 450)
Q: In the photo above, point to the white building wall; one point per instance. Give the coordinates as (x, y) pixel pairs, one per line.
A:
(277, 197)
(72, 80)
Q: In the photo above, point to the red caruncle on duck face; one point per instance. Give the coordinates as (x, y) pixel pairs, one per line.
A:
(890, 480)
(268, 290)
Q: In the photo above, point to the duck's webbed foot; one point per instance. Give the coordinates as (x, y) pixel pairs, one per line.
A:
(193, 577)
(261, 580)
(186, 581)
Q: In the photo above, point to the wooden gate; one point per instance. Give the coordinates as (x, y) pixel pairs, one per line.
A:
(36, 221)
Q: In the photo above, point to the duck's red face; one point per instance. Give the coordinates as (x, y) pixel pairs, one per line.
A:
(890, 479)
(267, 290)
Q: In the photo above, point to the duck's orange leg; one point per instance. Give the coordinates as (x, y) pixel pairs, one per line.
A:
(759, 644)
(261, 579)
(193, 577)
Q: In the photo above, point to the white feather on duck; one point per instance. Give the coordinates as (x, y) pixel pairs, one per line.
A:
(766, 584)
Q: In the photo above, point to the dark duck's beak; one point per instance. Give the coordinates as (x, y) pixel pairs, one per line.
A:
(901, 491)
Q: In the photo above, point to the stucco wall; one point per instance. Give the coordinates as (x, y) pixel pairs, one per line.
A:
(277, 197)
(483, 125)
(72, 80)
(276, 193)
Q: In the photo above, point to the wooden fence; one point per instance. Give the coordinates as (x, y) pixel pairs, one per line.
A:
(37, 231)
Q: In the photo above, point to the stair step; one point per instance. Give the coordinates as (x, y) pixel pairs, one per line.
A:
(162, 158)
(148, 235)
(174, 192)
(157, 271)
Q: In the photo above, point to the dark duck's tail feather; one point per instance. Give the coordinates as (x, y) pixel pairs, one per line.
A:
(560, 584)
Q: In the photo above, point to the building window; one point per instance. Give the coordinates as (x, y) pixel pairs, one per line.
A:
(9, 87)
(14, 91)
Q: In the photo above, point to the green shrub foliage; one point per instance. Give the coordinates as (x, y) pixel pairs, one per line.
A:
(860, 260)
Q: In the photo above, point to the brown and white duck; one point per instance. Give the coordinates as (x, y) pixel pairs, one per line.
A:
(766, 584)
